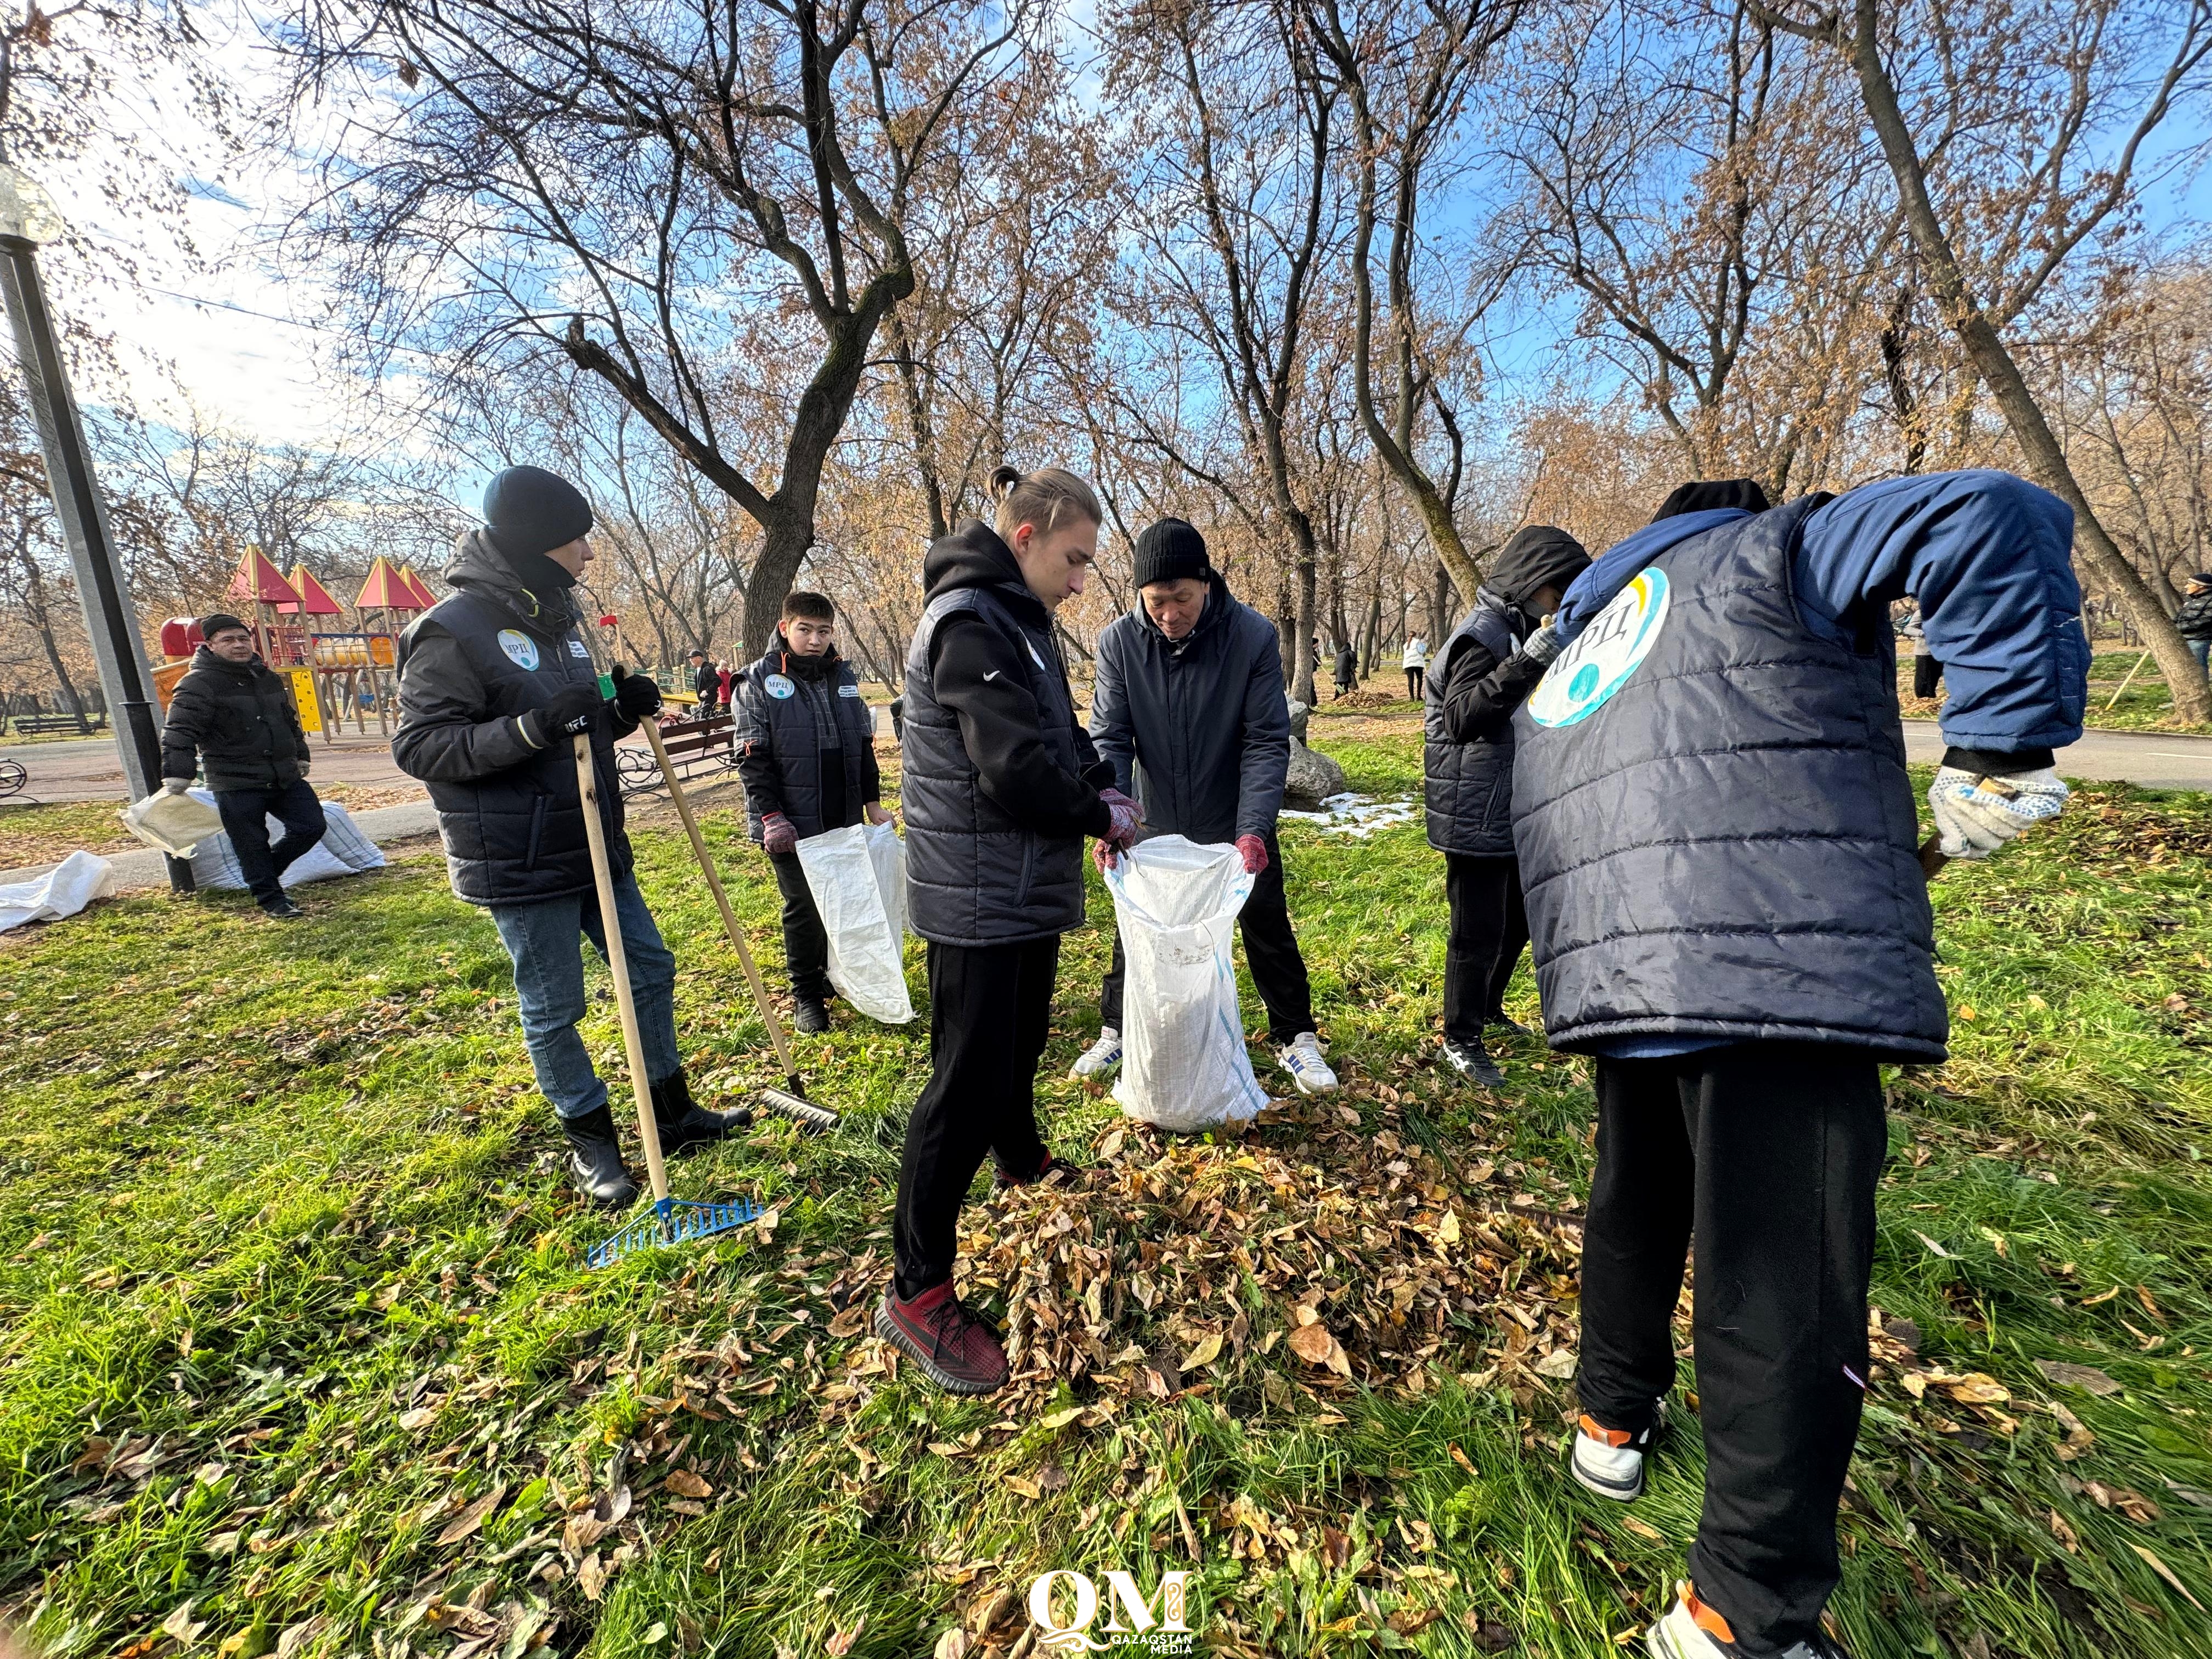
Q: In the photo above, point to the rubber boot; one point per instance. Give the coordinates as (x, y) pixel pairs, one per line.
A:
(595, 1160)
(684, 1125)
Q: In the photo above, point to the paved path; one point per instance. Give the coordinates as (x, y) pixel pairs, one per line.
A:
(90, 769)
(2155, 760)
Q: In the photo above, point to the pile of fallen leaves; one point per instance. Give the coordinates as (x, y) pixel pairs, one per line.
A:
(1363, 698)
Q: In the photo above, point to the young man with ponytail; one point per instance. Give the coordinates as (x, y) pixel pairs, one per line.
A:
(1000, 786)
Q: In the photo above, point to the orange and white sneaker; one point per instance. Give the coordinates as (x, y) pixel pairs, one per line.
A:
(1693, 1630)
(1610, 1462)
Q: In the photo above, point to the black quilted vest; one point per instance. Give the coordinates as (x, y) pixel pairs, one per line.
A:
(1467, 786)
(1715, 830)
(973, 875)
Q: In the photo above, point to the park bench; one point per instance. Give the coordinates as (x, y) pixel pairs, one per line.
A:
(695, 746)
(40, 725)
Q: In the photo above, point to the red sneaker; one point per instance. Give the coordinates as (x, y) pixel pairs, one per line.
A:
(953, 1345)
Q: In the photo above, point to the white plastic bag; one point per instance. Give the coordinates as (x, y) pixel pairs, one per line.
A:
(62, 892)
(858, 879)
(345, 850)
(1184, 1062)
(173, 824)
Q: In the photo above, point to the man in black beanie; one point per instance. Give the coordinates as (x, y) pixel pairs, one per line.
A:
(237, 716)
(496, 683)
(1188, 709)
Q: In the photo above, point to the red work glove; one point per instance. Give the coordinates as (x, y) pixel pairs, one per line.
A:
(1255, 854)
(779, 834)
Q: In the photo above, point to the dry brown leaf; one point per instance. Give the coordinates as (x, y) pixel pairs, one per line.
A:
(1644, 1529)
(1448, 1228)
(2167, 1573)
(421, 1417)
(592, 1576)
(2065, 1534)
(471, 1517)
(684, 1484)
(1978, 1389)
(2077, 1376)
(1207, 1351)
(1312, 1343)
(840, 1644)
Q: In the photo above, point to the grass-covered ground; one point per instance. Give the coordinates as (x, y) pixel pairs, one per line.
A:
(2122, 697)
(300, 1356)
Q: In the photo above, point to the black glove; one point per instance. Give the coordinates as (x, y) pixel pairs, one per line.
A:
(636, 697)
(568, 714)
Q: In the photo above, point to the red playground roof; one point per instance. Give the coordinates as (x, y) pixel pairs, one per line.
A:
(421, 588)
(314, 598)
(260, 581)
(386, 590)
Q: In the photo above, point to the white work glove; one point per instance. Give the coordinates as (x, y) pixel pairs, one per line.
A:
(175, 785)
(1976, 812)
(1543, 645)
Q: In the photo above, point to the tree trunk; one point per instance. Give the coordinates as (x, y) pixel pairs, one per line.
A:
(787, 538)
(917, 415)
(1993, 362)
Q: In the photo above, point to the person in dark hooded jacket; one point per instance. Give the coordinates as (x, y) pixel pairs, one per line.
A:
(1484, 671)
(806, 753)
(999, 784)
(495, 683)
(237, 715)
(1187, 708)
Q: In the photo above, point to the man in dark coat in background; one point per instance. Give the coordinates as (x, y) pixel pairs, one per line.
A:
(238, 714)
(496, 683)
(806, 753)
(1485, 671)
(1186, 706)
(706, 682)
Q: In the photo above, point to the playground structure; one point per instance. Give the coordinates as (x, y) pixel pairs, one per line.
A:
(334, 674)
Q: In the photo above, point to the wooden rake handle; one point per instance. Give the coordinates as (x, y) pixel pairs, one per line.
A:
(648, 1130)
(651, 727)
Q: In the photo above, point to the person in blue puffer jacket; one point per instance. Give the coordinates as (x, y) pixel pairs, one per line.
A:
(1728, 911)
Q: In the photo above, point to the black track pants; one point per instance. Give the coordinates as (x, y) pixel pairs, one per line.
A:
(1768, 1153)
(1488, 929)
(990, 1011)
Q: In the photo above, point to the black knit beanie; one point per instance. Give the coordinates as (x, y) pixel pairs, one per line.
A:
(215, 621)
(530, 511)
(1172, 551)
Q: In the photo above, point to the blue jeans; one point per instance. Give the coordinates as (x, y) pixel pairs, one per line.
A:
(544, 940)
(2200, 649)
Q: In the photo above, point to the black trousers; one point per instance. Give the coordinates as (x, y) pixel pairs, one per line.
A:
(1926, 671)
(1414, 683)
(1489, 927)
(1768, 1154)
(990, 1013)
(805, 946)
(1271, 951)
(246, 815)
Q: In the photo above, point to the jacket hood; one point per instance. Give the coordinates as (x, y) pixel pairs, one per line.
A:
(974, 557)
(479, 568)
(1537, 556)
(1707, 494)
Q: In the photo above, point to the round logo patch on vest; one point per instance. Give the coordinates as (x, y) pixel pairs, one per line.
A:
(776, 685)
(1584, 676)
(521, 650)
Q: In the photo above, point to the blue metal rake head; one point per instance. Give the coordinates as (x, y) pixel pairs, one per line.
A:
(673, 1221)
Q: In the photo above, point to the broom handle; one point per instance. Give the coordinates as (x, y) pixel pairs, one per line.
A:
(587, 786)
(652, 730)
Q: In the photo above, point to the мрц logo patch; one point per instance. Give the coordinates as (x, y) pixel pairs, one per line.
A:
(1587, 673)
(521, 650)
(777, 686)
(1155, 1626)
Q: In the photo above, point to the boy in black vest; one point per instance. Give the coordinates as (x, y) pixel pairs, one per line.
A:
(496, 683)
(1481, 674)
(1720, 854)
(239, 716)
(807, 753)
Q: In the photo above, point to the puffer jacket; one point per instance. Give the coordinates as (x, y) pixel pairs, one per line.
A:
(239, 716)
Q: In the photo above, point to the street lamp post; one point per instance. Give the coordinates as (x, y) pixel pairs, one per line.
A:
(27, 218)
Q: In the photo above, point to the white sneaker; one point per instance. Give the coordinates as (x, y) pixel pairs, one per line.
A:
(1302, 1061)
(1101, 1056)
(1610, 1462)
(1695, 1630)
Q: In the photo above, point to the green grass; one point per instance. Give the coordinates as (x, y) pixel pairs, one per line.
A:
(39, 832)
(2116, 702)
(281, 1224)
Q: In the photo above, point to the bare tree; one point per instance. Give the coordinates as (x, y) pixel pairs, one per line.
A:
(1991, 116)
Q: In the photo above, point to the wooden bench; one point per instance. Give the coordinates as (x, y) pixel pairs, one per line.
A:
(694, 747)
(40, 725)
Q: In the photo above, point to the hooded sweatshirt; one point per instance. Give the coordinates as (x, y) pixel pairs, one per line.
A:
(1480, 689)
